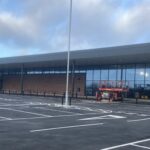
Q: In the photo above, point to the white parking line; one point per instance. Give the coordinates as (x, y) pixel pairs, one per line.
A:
(67, 127)
(5, 118)
(137, 120)
(74, 115)
(2, 104)
(127, 144)
(59, 116)
(140, 146)
(57, 110)
(8, 99)
(27, 112)
(104, 117)
(25, 104)
(17, 119)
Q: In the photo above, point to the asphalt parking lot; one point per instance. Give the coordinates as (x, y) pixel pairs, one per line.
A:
(28, 123)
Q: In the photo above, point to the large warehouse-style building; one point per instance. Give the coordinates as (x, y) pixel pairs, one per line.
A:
(46, 73)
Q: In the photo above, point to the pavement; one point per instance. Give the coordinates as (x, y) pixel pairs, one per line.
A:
(38, 123)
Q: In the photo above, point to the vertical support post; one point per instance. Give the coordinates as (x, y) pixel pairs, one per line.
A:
(121, 73)
(68, 54)
(85, 85)
(108, 72)
(62, 100)
(92, 82)
(1, 81)
(21, 79)
(116, 68)
(145, 75)
(126, 74)
(121, 77)
(135, 88)
(73, 78)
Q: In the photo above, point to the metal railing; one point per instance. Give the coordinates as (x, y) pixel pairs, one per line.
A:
(48, 94)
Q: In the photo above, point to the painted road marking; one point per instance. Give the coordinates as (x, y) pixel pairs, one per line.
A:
(26, 104)
(17, 119)
(104, 117)
(56, 110)
(66, 127)
(140, 146)
(127, 144)
(74, 115)
(27, 112)
(137, 120)
(10, 99)
(89, 109)
(5, 118)
(58, 116)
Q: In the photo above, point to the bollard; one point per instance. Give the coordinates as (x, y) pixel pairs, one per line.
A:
(62, 100)
(122, 98)
(37, 93)
(64, 94)
(76, 95)
(136, 100)
(137, 96)
(70, 100)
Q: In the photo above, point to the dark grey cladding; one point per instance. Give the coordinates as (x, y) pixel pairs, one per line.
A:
(128, 54)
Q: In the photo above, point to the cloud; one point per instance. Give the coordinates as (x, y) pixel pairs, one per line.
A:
(110, 23)
(35, 26)
(135, 22)
(15, 29)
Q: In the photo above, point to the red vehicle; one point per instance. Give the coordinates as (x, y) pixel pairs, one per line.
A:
(112, 90)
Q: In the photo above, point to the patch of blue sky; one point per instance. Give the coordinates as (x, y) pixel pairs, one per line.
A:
(12, 6)
(6, 52)
(123, 7)
(127, 4)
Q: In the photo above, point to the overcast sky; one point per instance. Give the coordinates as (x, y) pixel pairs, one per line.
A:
(41, 26)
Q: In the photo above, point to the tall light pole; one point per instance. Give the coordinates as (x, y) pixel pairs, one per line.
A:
(68, 56)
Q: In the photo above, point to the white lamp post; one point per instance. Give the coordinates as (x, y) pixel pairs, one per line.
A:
(68, 57)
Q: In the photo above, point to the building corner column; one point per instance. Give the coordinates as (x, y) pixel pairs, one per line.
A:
(22, 79)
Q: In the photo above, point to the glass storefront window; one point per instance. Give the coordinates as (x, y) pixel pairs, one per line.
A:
(89, 84)
(147, 84)
(130, 84)
(77, 71)
(95, 84)
(89, 88)
(104, 74)
(82, 71)
(140, 73)
(89, 74)
(96, 75)
(139, 83)
(52, 71)
(112, 74)
(118, 74)
(147, 72)
(130, 74)
(57, 72)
